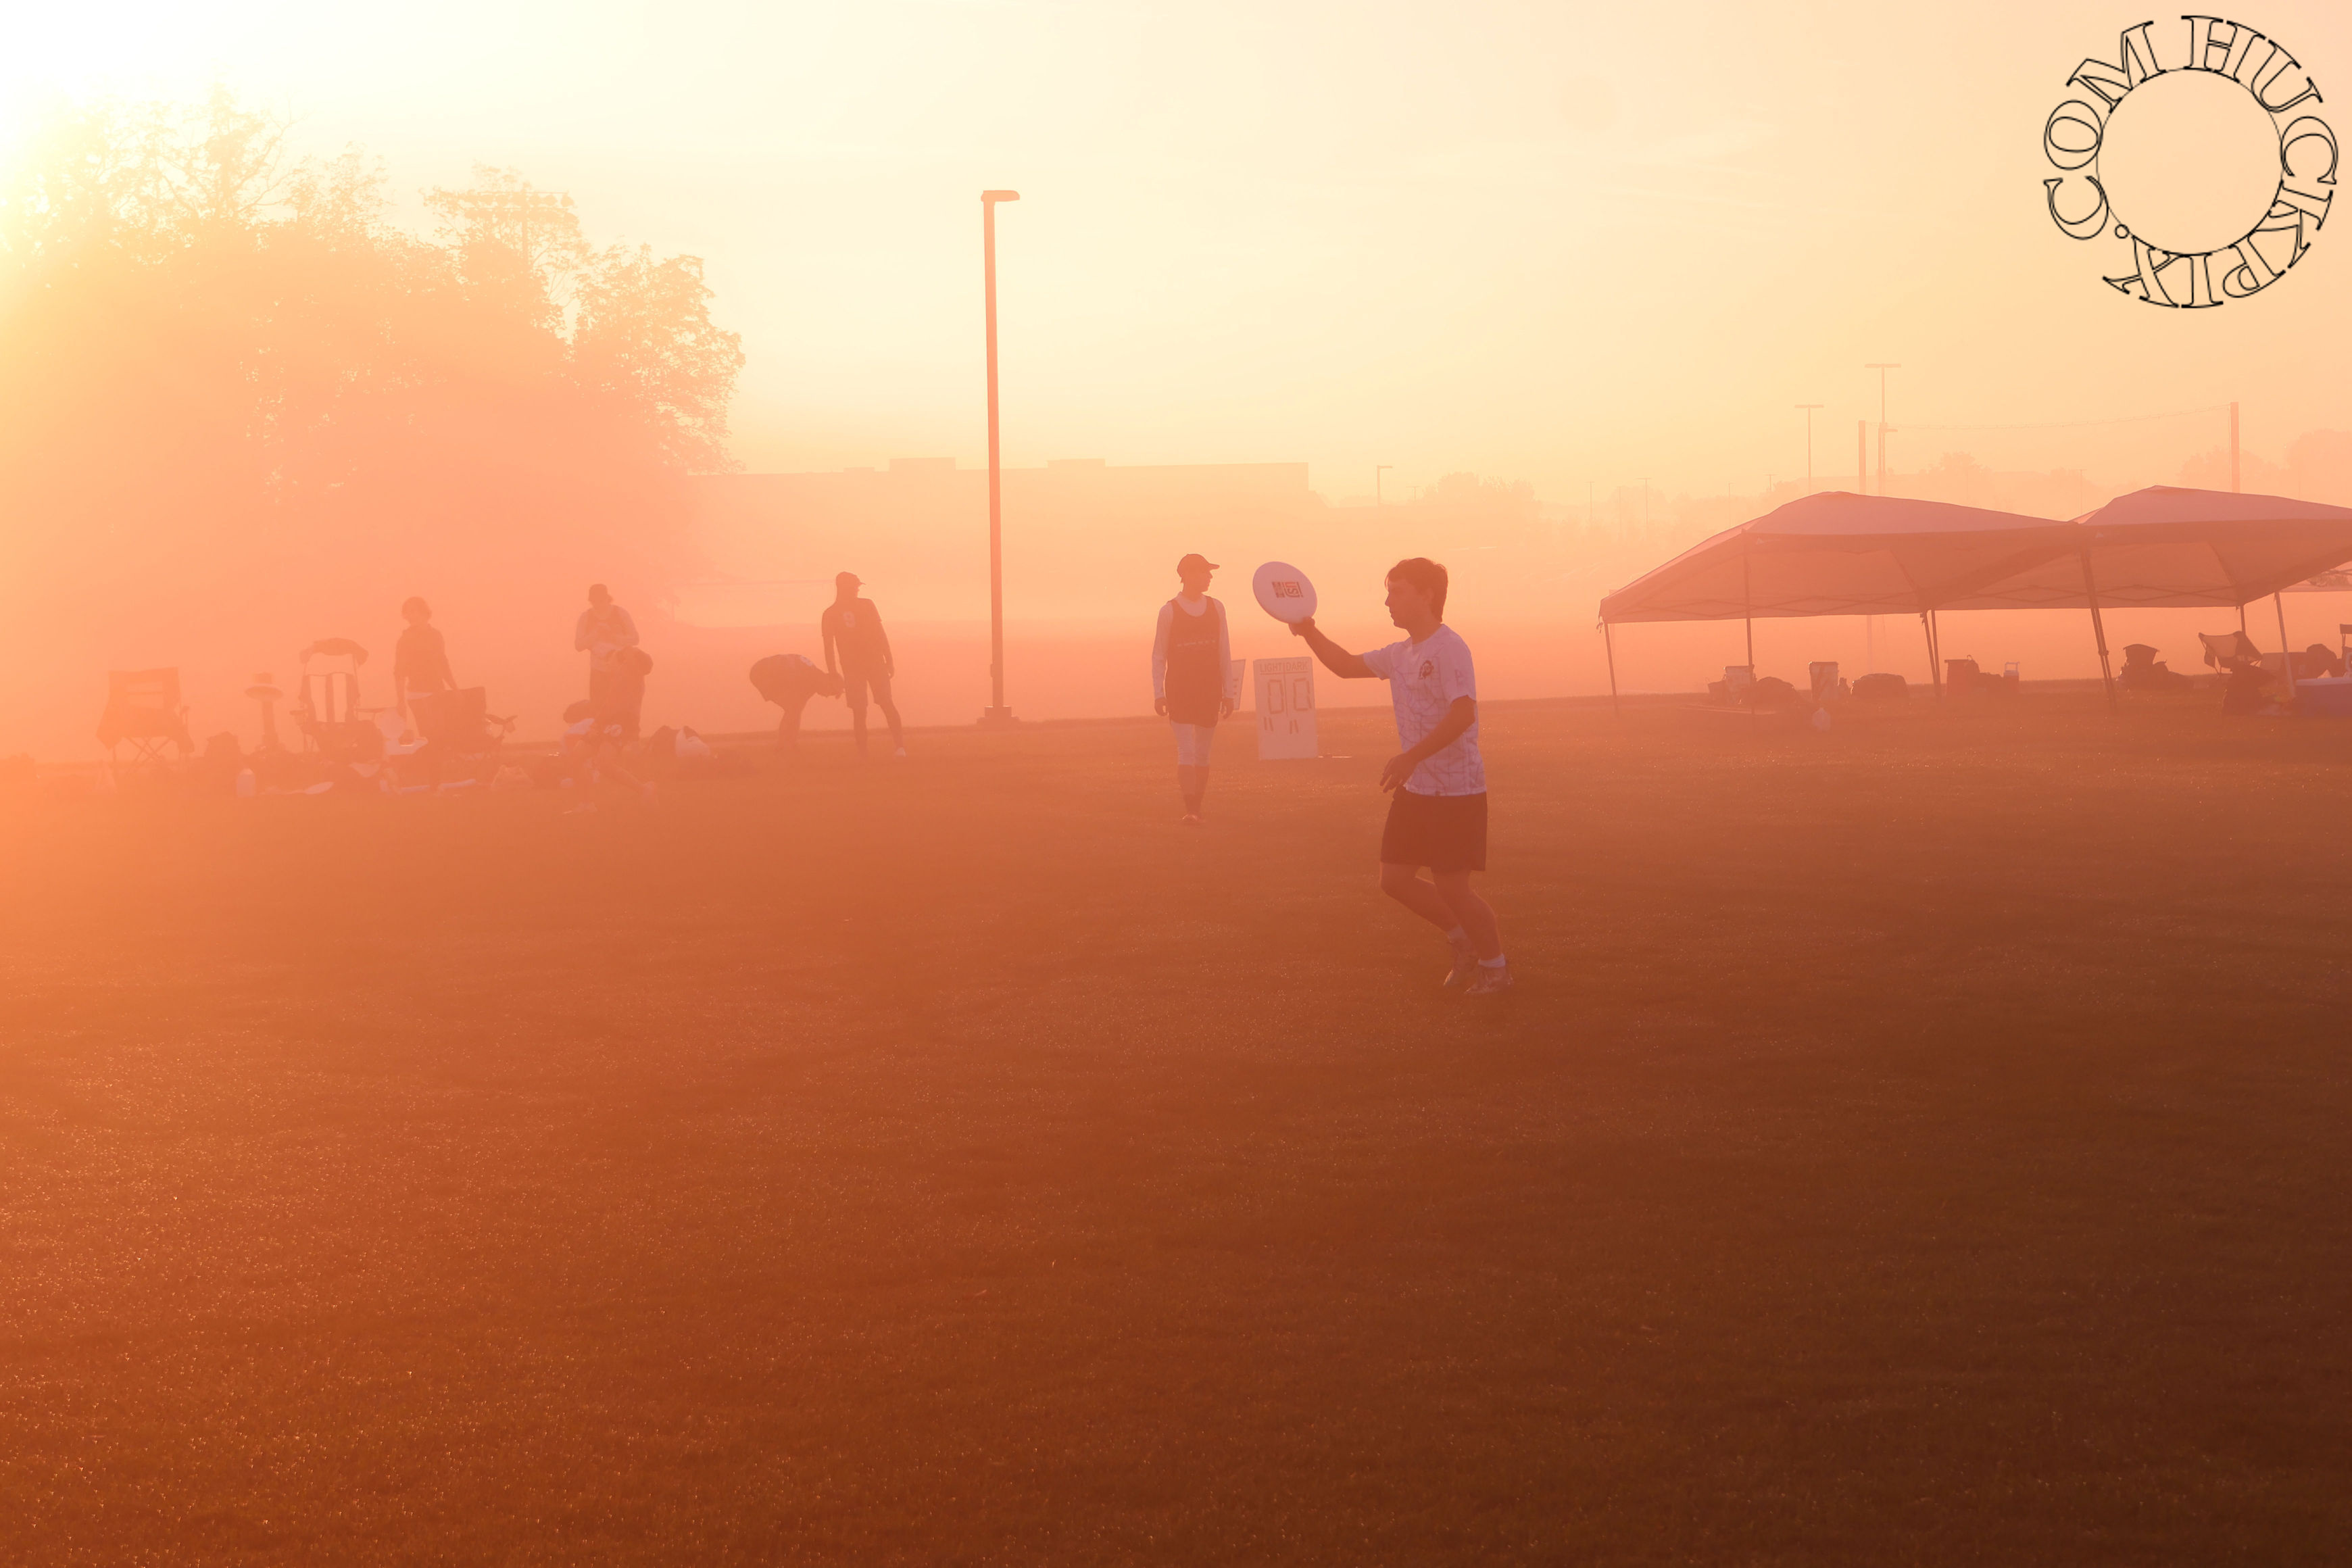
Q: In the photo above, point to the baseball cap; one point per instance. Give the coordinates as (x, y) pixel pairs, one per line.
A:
(852, 578)
(1199, 560)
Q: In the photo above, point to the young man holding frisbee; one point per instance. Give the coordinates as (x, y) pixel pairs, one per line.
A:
(1438, 816)
(1191, 678)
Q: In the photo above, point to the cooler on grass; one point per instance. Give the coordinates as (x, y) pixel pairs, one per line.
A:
(2329, 696)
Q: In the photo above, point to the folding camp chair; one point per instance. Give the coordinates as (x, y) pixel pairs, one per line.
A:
(327, 703)
(2245, 688)
(143, 710)
(2230, 650)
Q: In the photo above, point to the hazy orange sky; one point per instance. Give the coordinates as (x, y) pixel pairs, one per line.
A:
(1568, 244)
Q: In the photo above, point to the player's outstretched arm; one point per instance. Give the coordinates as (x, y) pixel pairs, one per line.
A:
(1458, 718)
(1336, 659)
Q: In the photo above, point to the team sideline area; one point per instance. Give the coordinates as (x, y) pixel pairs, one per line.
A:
(1924, 1141)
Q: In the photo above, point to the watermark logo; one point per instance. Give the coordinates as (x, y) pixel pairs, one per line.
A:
(2211, 164)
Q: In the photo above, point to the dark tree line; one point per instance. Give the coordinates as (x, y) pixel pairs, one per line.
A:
(230, 385)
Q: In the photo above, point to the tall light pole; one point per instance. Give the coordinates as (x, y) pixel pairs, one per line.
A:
(998, 713)
(1882, 370)
(1809, 408)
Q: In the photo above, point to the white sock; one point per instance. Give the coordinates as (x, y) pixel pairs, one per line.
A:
(1457, 935)
(1494, 963)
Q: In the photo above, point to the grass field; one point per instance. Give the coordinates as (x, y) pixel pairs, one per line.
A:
(1924, 1143)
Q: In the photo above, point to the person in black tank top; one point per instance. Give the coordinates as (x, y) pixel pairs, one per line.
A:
(1191, 657)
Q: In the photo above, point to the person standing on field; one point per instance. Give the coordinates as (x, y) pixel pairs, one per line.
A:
(420, 660)
(1437, 817)
(1191, 677)
(854, 634)
(602, 630)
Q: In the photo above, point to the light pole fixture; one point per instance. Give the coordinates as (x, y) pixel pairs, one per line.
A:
(1882, 370)
(998, 713)
(1809, 408)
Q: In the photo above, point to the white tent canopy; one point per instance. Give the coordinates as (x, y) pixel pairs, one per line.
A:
(2166, 547)
(1842, 554)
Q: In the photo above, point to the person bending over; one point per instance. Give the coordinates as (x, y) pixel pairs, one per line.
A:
(1437, 817)
(789, 681)
(1191, 677)
(853, 633)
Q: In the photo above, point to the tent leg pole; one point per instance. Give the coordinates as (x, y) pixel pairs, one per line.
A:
(1755, 709)
(2106, 677)
(2099, 634)
(1934, 671)
(1748, 605)
(2286, 652)
(1609, 643)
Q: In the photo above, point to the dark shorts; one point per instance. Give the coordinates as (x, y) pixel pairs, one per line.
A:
(1442, 832)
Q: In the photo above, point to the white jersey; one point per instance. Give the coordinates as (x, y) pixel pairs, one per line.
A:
(1425, 681)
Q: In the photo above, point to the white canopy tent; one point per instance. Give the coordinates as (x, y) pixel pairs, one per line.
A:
(2168, 547)
(1838, 554)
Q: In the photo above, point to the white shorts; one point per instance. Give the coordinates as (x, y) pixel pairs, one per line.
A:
(1193, 743)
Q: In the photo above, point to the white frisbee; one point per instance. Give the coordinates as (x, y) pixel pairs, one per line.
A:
(1284, 592)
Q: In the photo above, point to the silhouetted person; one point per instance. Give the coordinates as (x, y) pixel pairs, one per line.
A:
(2246, 687)
(789, 681)
(1438, 816)
(2317, 662)
(853, 634)
(420, 660)
(1191, 682)
(602, 630)
(622, 704)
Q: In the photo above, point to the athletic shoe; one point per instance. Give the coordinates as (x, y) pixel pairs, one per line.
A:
(900, 754)
(1192, 819)
(1490, 981)
(1466, 962)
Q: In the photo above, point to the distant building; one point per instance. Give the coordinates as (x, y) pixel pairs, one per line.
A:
(1082, 537)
